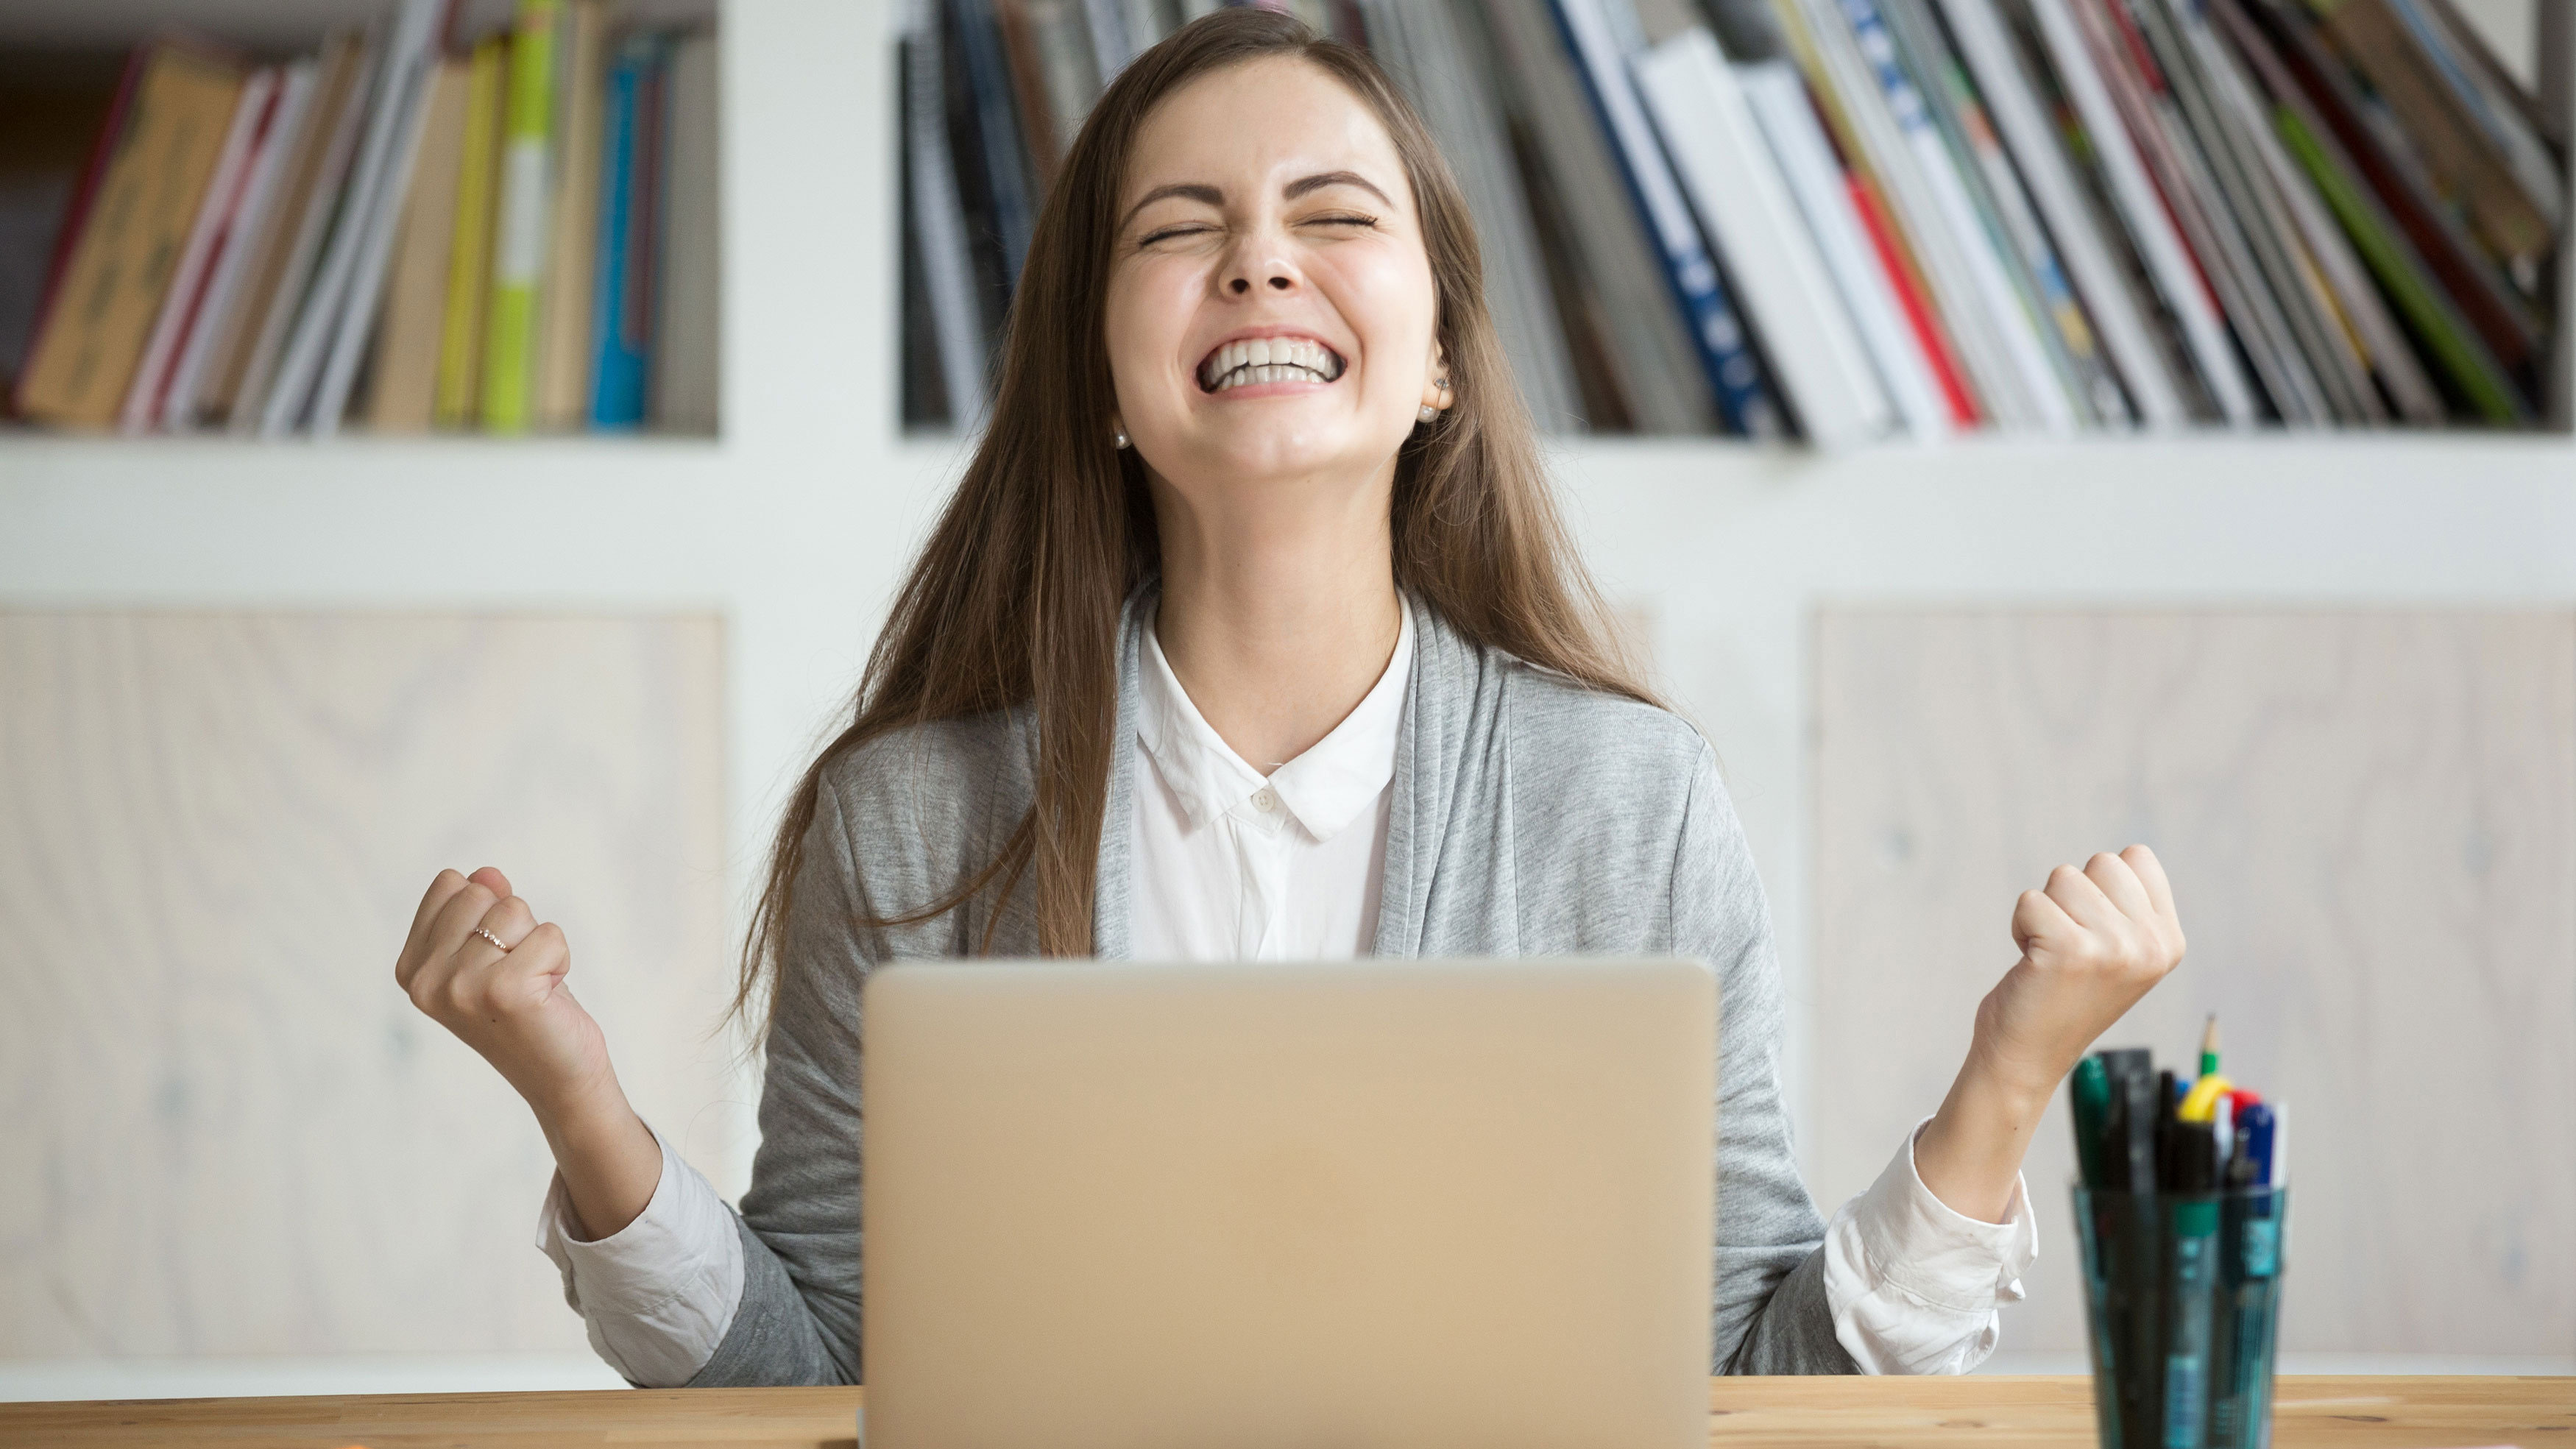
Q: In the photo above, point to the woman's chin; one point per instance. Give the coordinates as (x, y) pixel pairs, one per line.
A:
(1250, 450)
(1284, 429)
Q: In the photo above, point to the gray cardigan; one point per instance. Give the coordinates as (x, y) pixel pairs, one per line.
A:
(1530, 816)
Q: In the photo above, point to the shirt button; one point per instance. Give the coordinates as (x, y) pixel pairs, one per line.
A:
(1267, 801)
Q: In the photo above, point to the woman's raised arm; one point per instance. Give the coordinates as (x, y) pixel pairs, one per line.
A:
(479, 963)
(2092, 943)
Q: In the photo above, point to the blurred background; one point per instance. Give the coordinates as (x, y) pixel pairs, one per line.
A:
(2013, 428)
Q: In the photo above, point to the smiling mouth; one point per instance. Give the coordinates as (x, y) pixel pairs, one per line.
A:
(1268, 359)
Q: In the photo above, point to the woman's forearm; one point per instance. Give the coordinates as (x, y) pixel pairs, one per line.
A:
(610, 1160)
(1969, 1155)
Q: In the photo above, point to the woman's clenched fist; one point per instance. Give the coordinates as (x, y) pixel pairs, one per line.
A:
(2092, 943)
(503, 993)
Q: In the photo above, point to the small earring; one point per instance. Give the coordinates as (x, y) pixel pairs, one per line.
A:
(1119, 438)
(1429, 414)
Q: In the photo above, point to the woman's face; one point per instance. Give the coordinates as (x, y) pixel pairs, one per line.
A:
(1266, 215)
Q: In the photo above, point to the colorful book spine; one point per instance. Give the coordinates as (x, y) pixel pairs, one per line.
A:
(1638, 366)
(469, 258)
(1815, 351)
(622, 299)
(1734, 373)
(1988, 50)
(2005, 204)
(687, 342)
(218, 318)
(293, 240)
(2502, 315)
(1006, 166)
(2393, 360)
(1917, 310)
(321, 353)
(1778, 98)
(2471, 368)
(402, 368)
(412, 68)
(204, 251)
(1931, 252)
(563, 336)
(74, 227)
(2468, 171)
(519, 233)
(169, 140)
(2041, 388)
(939, 219)
(2151, 224)
(2192, 189)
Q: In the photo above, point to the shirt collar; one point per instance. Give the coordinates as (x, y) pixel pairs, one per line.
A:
(1333, 783)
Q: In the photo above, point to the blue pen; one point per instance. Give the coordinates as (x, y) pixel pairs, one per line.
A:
(2258, 1252)
(2259, 1124)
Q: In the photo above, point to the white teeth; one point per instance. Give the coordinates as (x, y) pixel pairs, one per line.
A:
(1268, 359)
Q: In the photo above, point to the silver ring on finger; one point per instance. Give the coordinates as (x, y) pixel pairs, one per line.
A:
(488, 936)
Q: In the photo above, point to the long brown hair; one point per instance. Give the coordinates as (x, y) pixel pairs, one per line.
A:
(1015, 599)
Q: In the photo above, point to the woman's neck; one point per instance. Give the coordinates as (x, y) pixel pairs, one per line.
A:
(1278, 627)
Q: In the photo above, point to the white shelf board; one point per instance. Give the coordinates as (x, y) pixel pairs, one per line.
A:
(617, 521)
(2203, 519)
(2207, 518)
(358, 520)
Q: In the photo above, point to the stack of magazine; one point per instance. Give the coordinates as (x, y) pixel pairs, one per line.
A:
(1855, 219)
(409, 229)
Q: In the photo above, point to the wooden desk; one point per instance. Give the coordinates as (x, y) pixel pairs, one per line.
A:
(2382, 1413)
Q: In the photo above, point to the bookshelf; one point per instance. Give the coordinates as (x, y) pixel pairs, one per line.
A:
(793, 524)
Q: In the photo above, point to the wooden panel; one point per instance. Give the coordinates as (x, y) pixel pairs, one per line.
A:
(2370, 822)
(223, 1130)
(2036, 1413)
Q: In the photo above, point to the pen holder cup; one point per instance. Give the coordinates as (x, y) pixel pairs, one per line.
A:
(2182, 1300)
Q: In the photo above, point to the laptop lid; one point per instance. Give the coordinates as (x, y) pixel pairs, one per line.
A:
(1350, 1204)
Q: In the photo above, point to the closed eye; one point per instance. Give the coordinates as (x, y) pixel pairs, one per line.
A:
(1166, 233)
(1351, 218)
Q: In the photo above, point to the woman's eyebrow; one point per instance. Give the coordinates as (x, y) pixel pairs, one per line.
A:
(1322, 179)
(1185, 190)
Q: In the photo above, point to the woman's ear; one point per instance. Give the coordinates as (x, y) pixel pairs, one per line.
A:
(1437, 394)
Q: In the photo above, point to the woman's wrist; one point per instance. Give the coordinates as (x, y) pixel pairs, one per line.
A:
(580, 1124)
(1970, 1154)
(610, 1161)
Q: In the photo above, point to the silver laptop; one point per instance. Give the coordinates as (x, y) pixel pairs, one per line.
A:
(1350, 1204)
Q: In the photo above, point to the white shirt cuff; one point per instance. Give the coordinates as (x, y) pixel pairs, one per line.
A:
(658, 1294)
(1912, 1283)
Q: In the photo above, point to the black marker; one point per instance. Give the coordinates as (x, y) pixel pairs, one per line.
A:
(2194, 1210)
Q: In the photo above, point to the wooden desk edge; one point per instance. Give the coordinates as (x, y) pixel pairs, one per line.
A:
(2032, 1410)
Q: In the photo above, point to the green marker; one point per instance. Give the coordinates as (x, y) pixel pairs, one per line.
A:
(2088, 1092)
(2209, 1048)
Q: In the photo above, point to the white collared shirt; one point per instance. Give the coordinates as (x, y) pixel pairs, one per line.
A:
(1232, 865)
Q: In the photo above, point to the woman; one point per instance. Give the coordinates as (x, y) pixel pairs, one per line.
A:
(1250, 632)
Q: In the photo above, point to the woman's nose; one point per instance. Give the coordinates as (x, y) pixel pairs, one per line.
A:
(1259, 266)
